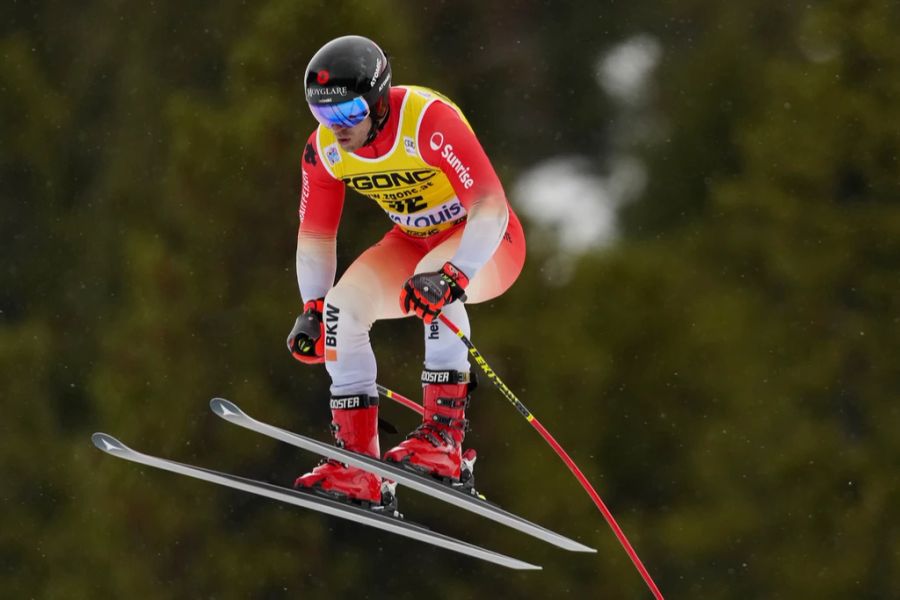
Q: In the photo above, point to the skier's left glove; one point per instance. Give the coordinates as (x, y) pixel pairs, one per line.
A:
(427, 293)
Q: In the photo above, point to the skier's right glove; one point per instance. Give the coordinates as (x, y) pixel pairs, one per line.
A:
(427, 293)
(306, 341)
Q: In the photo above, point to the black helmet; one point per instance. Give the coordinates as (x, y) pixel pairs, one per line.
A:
(346, 68)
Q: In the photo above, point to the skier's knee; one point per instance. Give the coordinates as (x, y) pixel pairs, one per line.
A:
(343, 304)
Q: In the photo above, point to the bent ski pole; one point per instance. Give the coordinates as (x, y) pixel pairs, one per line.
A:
(509, 395)
(410, 404)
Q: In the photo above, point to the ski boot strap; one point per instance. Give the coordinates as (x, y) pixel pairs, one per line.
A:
(461, 424)
(445, 377)
(428, 432)
(453, 402)
(352, 402)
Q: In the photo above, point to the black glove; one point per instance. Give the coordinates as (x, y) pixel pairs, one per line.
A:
(306, 341)
(427, 293)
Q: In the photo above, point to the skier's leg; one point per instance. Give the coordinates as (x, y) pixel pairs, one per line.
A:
(442, 348)
(436, 446)
(367, 291)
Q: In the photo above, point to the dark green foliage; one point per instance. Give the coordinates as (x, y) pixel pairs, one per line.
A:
(726, 374)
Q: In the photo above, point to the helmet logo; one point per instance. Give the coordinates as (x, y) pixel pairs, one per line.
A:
(323, 77)
(377, 72)
(436, 141)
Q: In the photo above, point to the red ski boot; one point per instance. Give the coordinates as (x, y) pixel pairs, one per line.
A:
(435, 447)
(355, 427)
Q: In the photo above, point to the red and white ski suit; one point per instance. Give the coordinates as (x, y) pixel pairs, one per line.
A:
(483, 238)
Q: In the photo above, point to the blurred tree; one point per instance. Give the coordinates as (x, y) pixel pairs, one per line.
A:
(743, 361)
(725, 375)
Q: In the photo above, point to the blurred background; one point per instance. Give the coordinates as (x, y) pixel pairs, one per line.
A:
(708, 320)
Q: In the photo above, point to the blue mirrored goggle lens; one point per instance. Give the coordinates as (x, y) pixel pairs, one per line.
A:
(346, 114)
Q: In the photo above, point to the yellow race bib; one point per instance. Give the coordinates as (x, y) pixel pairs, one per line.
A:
(415, 195)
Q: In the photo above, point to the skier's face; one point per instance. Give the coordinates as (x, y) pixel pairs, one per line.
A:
(352, 138)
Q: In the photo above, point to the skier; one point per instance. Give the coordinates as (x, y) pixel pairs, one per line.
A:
(454, 238)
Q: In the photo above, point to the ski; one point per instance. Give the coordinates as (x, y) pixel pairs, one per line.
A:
(364, 516)
(233, 414)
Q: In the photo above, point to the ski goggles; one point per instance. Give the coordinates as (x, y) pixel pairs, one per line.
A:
(344, 114)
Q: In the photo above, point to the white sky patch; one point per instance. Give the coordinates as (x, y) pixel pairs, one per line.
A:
(574, 202)
(625, 71)
(577, 205)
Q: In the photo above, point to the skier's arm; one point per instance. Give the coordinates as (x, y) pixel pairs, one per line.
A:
(321, 202)
(447, 142)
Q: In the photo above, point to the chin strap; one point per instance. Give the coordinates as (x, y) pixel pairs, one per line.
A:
(378, 126)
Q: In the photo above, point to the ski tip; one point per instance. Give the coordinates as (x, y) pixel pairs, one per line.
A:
(573, 546)
(108, 443)
(226, 408)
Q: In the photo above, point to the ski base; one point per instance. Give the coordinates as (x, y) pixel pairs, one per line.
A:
(364, 516)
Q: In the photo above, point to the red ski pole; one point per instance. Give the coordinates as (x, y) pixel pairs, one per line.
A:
(509, 395)
(410, 404)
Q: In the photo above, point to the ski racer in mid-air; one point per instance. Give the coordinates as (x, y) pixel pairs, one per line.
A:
(454, 239)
